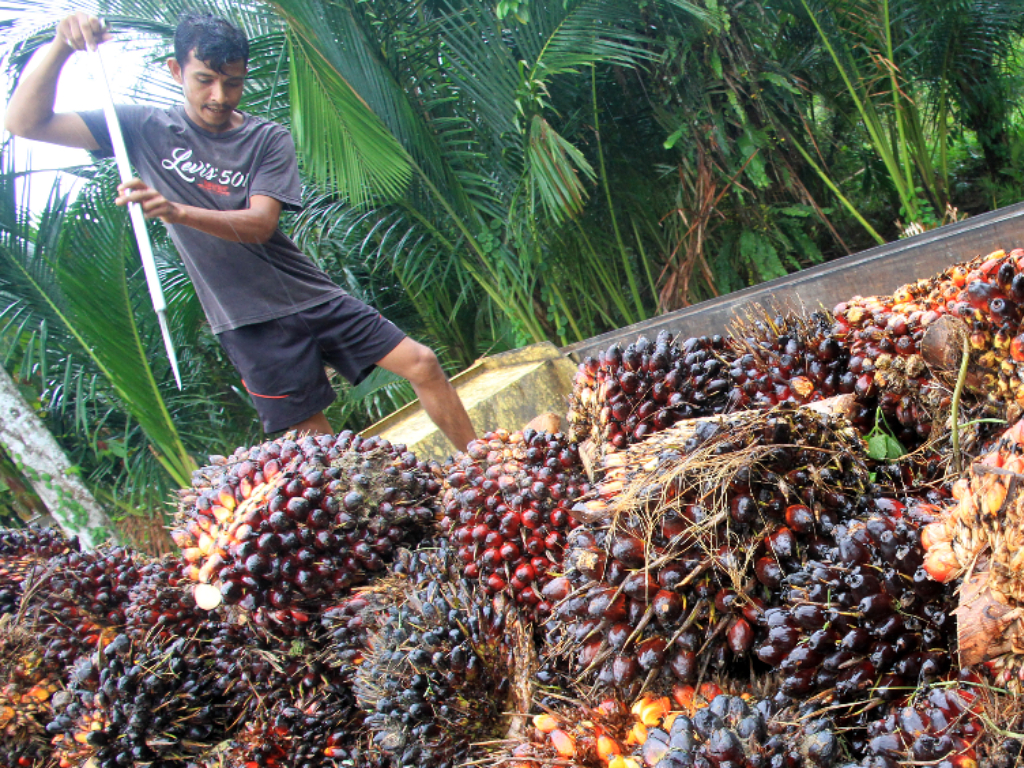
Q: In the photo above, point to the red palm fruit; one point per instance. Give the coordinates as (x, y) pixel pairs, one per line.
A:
(740, 636)
(668, 607)
(800, 518)
(629, 550)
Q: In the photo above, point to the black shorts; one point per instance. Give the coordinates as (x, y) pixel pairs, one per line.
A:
(282, 361)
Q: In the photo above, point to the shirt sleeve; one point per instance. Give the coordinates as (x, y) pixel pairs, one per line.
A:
(277, 175)
(128, 115)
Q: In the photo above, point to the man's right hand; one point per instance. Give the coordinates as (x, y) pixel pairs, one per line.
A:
(30, 109)
(81, 32)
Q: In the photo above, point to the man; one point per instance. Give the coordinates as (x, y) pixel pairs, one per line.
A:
(219, 179)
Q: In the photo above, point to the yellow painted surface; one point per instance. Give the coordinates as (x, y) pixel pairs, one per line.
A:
(505, 391)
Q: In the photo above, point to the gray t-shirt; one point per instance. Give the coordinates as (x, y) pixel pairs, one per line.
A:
(237, 283)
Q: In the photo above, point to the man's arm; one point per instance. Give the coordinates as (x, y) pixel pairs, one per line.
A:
(30, 111)
(255, 224)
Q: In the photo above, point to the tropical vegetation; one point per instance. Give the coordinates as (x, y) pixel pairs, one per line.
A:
(495, 174)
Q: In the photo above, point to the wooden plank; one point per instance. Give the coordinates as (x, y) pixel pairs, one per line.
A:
(879, 270)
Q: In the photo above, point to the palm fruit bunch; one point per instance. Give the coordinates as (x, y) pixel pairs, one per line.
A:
(787, 359)
(506, 504)
(692, 536)
(140, 704)
(21, 550)
(162, 605)
(730, 731)
(350, 622)
(27, 688)
(80, 599)
(280, 528)
(889, 348)
(257, 669)
(622, 396)
(934, 726)
(443, 668)
(861, 619)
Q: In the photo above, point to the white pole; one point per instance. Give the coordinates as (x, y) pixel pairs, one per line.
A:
(135, 210)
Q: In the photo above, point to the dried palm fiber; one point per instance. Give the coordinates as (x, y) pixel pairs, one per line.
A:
(288, 526)
(506, 507)
(27, 687)
(660, 732)
(690, 539)
(445, 669)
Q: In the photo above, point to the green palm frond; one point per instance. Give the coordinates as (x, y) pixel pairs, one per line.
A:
(346, 147)
(555, 166)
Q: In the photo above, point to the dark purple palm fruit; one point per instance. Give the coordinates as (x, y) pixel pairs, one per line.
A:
(507, 503)
(161, 604)
(307, 731)
(150, 704)
(287, 527)
(937, 726)
(861, 619)
(441, 670)
(628, 394)
(734, 732)
(255, 668)
(692, 537)
(787, 359)
(21, 550)
(79, 600)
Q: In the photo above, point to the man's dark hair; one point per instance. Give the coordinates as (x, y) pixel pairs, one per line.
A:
(211, 39)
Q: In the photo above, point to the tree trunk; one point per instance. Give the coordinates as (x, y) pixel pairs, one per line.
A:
(40, 459)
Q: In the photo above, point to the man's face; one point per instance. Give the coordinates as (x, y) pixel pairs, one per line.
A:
(210, 96)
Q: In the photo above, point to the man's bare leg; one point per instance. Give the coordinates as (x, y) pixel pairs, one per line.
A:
(417, 363)
(314, 425)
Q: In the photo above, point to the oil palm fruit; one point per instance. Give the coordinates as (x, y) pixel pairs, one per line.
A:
(21, 550)
(287, 526)
(142, 704)
(624, 395)
(506, 504)
(81, 601)
(887, 338)
(439, 672)
(935, 726)
(786, 359)
(978, 535)
(726, 731)
(690, 539)
(162, 607)
(861, 620)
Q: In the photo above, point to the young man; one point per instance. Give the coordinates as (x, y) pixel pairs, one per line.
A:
(219, 179)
